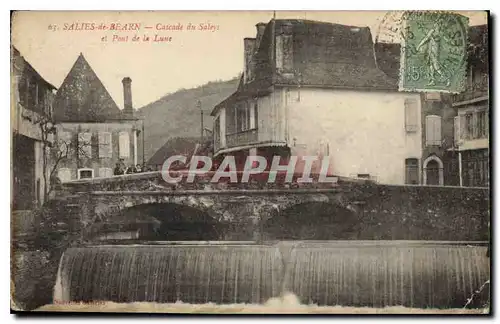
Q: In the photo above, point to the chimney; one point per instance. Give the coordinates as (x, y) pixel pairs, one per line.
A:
(260, 31)
(127, 97)
(249, 49)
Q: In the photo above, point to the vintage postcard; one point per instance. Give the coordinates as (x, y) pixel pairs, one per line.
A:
(331, 162)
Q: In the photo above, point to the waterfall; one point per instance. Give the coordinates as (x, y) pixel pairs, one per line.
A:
(350, 273)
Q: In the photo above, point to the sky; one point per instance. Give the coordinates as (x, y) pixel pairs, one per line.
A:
(188, 59)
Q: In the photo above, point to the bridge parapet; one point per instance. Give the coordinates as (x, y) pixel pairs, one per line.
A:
(153, 181)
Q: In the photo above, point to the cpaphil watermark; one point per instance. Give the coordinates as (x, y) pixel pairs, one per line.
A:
(254, 165)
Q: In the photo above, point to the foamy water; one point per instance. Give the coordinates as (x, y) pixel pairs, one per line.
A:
(287, 304)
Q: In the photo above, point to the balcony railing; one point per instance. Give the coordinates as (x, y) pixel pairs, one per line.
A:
(242, 138)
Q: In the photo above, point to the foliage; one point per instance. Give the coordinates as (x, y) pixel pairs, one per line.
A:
(177, 114)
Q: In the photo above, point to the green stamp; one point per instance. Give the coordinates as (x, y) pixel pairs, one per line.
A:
(433, 52)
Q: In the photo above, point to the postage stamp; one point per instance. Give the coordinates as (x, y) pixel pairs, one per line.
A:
(433, 52)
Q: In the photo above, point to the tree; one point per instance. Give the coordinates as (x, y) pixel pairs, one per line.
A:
(54, 149)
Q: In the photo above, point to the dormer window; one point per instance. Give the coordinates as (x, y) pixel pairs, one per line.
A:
(284, 53)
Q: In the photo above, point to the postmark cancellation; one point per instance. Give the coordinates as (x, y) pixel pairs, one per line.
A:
(433, 52)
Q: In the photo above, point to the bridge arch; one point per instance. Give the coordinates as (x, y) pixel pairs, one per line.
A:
(312, 220)
(162, 218)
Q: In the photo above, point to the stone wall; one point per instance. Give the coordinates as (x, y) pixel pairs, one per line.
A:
(424, 213)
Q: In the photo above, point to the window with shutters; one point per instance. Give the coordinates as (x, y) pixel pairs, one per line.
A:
(64, 174)
(85, 145)
(411, 166)
(124, 144)
(284, 53)
(105, 172)
(105, 145)
(433, 130)
(65, 139)
(411, 115)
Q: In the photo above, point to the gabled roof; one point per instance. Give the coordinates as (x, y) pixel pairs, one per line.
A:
(83, 98)
(323, 54)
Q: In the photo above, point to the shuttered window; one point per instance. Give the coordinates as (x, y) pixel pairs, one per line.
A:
(64, 142)
(105, 145)
(433, 130)
(85, 145)
(64, 174)
(124, 144)
(284, 53)
(279, 52)
(411, 115)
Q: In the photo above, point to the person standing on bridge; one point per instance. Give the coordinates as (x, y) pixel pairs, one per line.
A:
(118, 169)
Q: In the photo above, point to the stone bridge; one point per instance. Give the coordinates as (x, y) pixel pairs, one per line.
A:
(146, 207)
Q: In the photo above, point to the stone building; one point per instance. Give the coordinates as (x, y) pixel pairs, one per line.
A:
(314, 88)
(93, 134)
(31, 111)
(472, 121)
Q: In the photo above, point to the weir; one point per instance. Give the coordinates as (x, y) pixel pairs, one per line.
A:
(350, 273)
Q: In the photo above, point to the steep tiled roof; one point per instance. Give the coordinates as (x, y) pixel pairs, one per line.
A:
(83, 98)
(177, 146)
(324, 55)
(333, 55)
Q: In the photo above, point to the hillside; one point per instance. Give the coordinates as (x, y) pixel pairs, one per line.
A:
(176, 114)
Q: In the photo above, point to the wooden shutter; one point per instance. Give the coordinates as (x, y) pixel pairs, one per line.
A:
(411, 115)
(437, 131)
(124, 144)
(85, 145)
(105, 145)
(64, 142)
(429, 130)
(433, 130)
(456, 129)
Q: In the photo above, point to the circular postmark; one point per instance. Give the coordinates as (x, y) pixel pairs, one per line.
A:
(433, 48)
